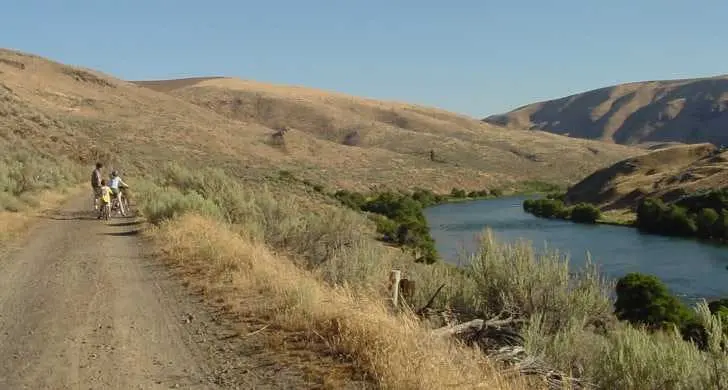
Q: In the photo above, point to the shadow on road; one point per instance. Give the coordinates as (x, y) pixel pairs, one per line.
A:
(122, 224)
(123, 234)
(73, 216)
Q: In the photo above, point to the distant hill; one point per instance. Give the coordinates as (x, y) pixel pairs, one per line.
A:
(335, 140)
(685, 111)
(468, 151)
(665, 173)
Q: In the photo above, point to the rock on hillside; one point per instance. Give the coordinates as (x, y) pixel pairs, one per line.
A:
(686, 111)
(666, 173)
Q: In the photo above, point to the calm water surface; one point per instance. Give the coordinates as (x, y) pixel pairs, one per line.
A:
(690, 268)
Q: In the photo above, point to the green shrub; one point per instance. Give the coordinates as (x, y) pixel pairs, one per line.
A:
(458, 193)
(585, 213)
(715, 199)
(546, 208)
(706, 222)
(426, 197)
(654, 216)
(400, 218)
(353, 200)
(514, 277)
(644, 299)
(717, 305)
(158, 204)
(23, 175)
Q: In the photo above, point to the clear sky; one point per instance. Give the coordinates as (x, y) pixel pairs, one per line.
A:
(473, 57)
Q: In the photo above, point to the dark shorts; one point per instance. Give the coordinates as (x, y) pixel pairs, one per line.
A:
(97, 191)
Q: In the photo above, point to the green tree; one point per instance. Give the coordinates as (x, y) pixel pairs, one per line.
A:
(705, 222)
(458, 193)
(644, 299)
(585, 213)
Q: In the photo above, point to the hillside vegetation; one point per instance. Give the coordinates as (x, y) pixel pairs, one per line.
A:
(364, 142)
(686, 111)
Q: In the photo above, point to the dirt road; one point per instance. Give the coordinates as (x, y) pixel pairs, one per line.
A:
(82, 306)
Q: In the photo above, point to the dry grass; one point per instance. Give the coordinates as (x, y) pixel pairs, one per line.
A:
(396, 351)
(689, 111)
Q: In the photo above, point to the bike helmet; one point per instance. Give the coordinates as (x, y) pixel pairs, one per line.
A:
(114, 173)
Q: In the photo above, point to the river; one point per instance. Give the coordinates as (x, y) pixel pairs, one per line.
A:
(690, 268)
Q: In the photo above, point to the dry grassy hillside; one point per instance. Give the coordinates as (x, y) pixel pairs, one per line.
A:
(667, 173)
(48, 107)
(687, 111)
(467, 151)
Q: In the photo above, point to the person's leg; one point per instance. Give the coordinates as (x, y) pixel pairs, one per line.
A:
(119, 198)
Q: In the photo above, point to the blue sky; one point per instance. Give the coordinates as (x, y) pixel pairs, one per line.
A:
(473, 57)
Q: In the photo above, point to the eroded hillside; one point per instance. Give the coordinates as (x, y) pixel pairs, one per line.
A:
(666, 173)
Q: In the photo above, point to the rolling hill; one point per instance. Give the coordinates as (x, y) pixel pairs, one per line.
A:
(337, 140)
(684, 111)
(667, 173)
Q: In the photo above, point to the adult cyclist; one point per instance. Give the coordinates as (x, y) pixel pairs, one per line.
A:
(116, 184)
(96, 184)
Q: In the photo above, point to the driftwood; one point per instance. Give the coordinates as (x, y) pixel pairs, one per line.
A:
(499, 339)
(518, 362)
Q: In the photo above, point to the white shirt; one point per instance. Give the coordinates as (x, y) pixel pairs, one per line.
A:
(115, 182)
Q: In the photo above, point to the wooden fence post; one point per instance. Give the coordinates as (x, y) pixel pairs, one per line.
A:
(395, 277)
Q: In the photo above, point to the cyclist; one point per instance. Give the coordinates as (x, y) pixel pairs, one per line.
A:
(116, 184)
(96, 184)
(105, 197)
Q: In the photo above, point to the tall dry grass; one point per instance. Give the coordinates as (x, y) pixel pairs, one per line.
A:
(396, 351)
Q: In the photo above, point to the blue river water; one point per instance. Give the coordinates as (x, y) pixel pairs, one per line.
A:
(691, 269)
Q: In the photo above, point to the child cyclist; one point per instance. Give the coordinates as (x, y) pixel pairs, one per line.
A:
(105, 197)
(116, 185)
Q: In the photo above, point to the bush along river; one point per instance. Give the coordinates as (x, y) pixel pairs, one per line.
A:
(691, 269)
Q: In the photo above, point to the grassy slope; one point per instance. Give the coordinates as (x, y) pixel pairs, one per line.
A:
(666, 173)
(688, 111)
(394, 139)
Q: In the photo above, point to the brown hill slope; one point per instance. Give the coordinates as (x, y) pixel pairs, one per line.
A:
(48, 107)
(687, 111)
(666, 173)
(469, 150)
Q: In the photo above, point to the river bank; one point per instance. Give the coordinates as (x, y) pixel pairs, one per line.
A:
(690, 268)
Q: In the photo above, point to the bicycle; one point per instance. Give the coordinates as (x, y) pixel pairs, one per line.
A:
(120, 202)
(105, 212)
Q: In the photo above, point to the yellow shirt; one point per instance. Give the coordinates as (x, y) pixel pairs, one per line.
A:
(106, 194)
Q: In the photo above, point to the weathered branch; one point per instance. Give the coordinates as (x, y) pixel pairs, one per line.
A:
(429, 303)
(475, 325)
